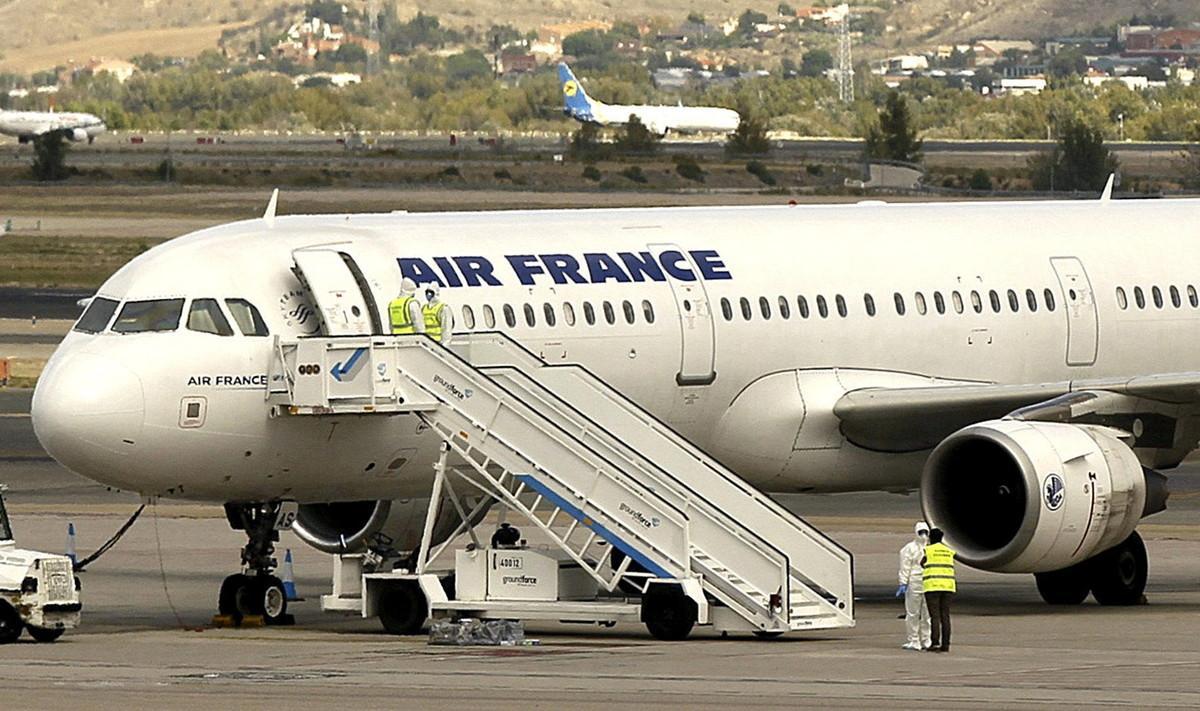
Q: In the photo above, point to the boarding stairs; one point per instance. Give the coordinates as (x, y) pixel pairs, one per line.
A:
(589, 467)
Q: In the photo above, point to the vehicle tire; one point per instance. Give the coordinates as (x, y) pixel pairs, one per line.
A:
(263, 595)
(669, 615)
(41, 634)
(231, 590)
(1069, 586)
(402, 609)
(10, 623)
(1119, 574)
(763, 634)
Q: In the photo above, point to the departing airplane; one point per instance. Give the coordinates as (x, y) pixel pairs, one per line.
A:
(1031, 384)
(659, 119)
(28, 125)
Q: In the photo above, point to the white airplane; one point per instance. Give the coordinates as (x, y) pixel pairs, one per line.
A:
(658, 119)
(28, 125)
(1027, 367)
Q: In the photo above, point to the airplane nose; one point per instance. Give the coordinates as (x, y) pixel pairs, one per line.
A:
(88, 412)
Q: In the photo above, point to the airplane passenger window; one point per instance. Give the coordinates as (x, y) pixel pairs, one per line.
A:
(1175, 301)
(1139, 297)
(95, 319)
(249, 321)
(976, 302)
(648, 311)
(765, 307)
(469, 318)
(938, 302)
(609, 314)
(802, 304)
(899, 304)
(548, 310)
(1122, 300)
(530, 318)
(589, 314)
(869, 303)
(630, 316)
(994, 298)
(142, 316)
(919, 298)
(841, 305)
(785, 309)
(1031, 299)
(510, 316)
(1157, 294)
(1013, 302)
(822, 307)
(568, 313)
(1192, 298)
(205, 317)
(726, 309)
(489, 316)
(1049, 297)
(745, 304)
(958, 302)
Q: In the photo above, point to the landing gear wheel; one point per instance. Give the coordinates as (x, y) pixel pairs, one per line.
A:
(669, 616)
(10, 624)
(41, 634)
(1069, 586)
(1119, 574)
(231, 590)
(402, 609)
(263, 595)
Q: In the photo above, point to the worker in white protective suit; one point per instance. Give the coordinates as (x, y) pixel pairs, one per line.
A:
(439, 319)
(916, 614)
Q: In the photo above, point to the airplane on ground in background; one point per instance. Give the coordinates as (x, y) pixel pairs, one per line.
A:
(28, 125)
(658, 119)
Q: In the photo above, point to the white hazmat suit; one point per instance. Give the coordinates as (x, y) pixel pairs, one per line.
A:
(916, 615)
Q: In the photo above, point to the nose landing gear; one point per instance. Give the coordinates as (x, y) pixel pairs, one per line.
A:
(257, 591)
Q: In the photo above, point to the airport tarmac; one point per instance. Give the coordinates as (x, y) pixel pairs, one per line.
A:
(146, 640)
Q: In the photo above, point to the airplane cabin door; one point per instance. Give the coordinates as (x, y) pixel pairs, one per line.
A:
(697, 332)
(343, 298)
(1083, 325)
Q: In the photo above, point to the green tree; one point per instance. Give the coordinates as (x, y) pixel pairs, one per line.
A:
(585, 143)
(1069, 62)
(815, 63)
(750, 137)
(50, 157)
(636, 138)
(468, 65)
(893, 137)
(747, 20)
(1078, 161)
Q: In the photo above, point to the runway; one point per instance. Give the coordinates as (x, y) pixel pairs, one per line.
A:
(146, 643)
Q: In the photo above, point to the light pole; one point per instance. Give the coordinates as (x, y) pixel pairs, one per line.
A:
(1121, 124)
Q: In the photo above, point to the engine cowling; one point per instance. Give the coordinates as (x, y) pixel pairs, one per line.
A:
(77, 134)
(1028, 497)
(347, 526)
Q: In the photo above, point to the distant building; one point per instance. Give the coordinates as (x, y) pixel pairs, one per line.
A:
(117, 68)
(901, 64)
(1019, 86)
(517, 63)
(988, 52)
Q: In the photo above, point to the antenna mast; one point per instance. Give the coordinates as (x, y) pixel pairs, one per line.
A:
(845, 59)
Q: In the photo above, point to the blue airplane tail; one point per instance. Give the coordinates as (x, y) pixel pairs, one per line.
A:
(576, 103)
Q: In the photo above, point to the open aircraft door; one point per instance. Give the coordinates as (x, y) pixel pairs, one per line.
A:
(697, 364)
(342, 296)
(1083, 326)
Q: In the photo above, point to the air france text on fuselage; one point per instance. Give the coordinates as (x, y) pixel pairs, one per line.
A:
(586, 268)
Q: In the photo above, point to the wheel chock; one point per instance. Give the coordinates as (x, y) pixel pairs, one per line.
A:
(236, 621)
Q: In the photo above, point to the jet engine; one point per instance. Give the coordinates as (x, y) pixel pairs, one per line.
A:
(77, 134)
(348, 526)
(1028, 497)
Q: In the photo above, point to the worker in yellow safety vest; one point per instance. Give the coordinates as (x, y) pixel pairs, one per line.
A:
(405, 312)
(439, 320)
(937, 577)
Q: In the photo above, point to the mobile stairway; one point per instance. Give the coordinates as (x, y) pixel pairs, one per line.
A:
(625, 497)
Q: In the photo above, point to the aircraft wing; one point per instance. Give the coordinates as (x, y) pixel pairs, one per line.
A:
(1149, 408)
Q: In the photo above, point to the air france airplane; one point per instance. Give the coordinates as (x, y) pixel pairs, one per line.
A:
(28, 125)
(1027, 367)
(658, 119)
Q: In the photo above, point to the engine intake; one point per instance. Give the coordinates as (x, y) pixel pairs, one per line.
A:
(1015, 496)
(347, 526)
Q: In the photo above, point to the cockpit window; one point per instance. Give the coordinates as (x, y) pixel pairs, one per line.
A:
(249, 321)
(95, 319)
(205, 316)
(142, 316)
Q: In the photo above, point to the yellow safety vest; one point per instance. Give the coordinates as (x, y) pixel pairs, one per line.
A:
(399, 316)
(937, 575)
(433, 320)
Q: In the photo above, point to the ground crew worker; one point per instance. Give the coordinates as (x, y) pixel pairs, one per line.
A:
(916, 613)
(439, 320)
(404, 312)
(938, 579)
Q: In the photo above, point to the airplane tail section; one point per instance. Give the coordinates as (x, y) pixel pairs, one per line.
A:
(576, 102)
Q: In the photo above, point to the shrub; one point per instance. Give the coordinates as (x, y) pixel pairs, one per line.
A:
(688, 168)
(980, 180)
(502, 174)
(634, 173)
(591, 172)
(760, 171)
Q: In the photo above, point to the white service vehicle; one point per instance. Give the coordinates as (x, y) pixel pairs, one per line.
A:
(38, 591)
